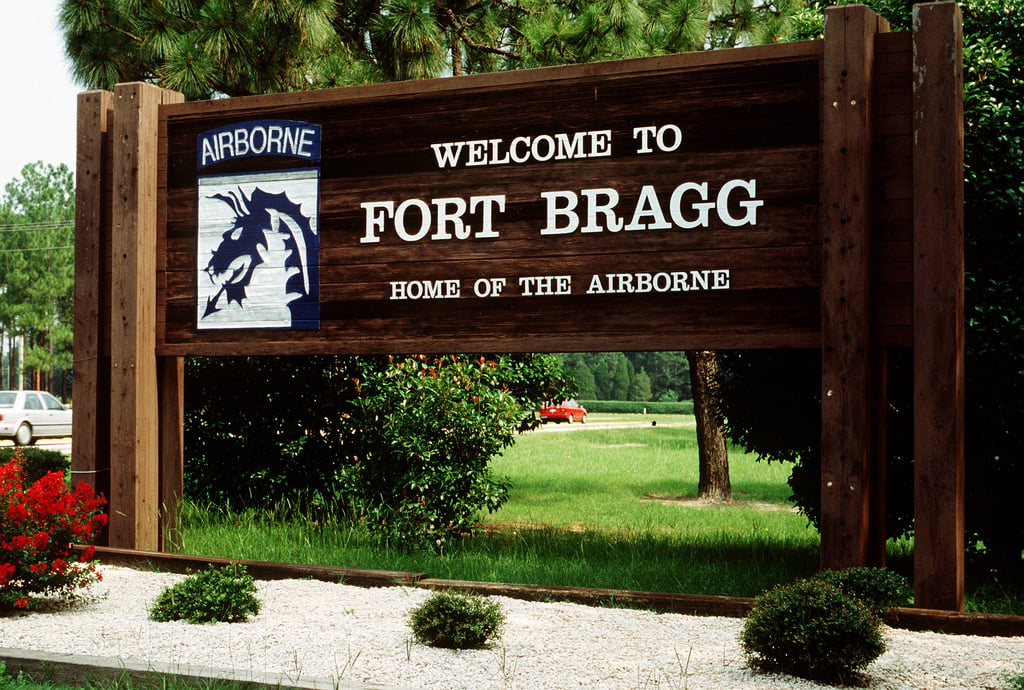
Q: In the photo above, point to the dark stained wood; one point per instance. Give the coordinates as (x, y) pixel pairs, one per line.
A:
(741, 119)
(171, 403)
(848, 392)
(938, 308)
(90, 461)
(378, 148)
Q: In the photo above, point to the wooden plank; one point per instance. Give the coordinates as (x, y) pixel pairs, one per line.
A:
(847, 388)
(171, 371)
(134, 447)
(91, 421)
(939, 401)
(543, 78)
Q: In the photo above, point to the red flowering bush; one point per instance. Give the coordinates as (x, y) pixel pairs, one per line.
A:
(38, 526)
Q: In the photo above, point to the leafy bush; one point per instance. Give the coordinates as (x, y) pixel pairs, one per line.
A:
(37, 462)
(38, 526)
(225, 595)
(428, 429)
(456, 621)
(879, 589)
(813, 630)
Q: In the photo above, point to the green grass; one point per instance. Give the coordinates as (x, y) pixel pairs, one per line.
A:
(581, 514)
(578, 516)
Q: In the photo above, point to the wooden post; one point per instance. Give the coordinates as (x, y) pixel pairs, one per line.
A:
(134, 428)
(90, 459)
(938, 307)
(848, 387)
(172, 449)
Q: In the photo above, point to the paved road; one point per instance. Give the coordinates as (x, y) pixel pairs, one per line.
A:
(60, 444)
(614, 425)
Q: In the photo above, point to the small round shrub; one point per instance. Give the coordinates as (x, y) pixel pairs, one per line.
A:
(226, 594)
(813, 630)
(456, 621)
(878, 588)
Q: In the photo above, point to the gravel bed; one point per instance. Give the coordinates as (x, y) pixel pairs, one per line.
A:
(358, 635)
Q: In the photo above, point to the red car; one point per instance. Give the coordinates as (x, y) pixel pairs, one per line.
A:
(565, 411)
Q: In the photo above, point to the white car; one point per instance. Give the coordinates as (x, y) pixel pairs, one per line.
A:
(28, 415)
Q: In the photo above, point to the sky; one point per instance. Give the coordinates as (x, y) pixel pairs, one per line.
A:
(38, 112)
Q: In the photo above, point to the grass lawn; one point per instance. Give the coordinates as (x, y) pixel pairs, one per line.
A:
(590, 507)
(607, 504)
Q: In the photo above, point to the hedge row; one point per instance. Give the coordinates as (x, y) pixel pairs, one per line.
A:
(631, 407)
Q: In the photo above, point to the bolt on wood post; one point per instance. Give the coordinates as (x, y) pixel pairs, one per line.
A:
(848, 373)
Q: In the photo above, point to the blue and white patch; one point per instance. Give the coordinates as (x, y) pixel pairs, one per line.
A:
(258, 253)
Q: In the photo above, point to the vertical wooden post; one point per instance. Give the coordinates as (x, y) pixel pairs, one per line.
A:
(172, 449)
(134, 428)
(848, 387)
(938, 307)
(90, 459)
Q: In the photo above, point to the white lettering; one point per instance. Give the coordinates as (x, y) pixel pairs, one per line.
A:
(425, 289)
(305, 142)
(488, 287)
(375, 220)
(534, 286)
(450, 211)
(594, 207)
(648, 206)
(661, 282)
(424, 212)
(449, 221)
(644, 134)
(554, 212)
(209, 155)
(523, 149)
(675, 205)
(520, 149)
(689, 206)
(477, 152)
(261, 147)
(446, 155)
(750, 187)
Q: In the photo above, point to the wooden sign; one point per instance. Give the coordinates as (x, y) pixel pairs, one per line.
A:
(672, 200)
(801, 195)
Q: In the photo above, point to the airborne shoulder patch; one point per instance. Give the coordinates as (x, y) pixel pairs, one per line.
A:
(258, 246)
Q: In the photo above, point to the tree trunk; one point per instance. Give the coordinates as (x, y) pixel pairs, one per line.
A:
(713, 475)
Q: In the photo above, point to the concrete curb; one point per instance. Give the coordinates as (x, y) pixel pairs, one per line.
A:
(74, 669)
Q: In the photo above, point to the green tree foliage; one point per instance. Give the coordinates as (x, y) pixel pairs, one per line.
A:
(773, 404)
(37, 268)
(640, 387)
(240, 47)
(663, 376)
(669, 372)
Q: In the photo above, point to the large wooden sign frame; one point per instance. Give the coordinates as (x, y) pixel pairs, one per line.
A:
(801, 195)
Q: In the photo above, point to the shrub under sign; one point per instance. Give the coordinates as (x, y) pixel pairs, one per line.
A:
(798, 195)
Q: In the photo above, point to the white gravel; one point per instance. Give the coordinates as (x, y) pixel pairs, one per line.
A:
(357, 635)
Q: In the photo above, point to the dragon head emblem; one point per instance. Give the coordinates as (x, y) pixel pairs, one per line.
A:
(261, 221)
